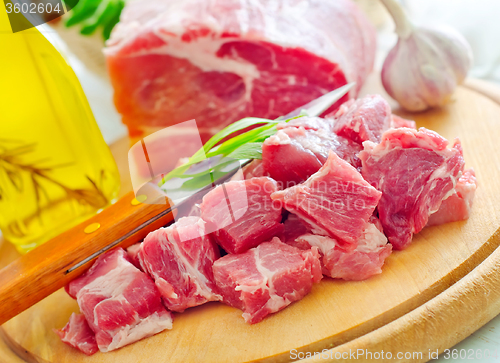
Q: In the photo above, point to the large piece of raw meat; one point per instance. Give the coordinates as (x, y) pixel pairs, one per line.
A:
(218, 61)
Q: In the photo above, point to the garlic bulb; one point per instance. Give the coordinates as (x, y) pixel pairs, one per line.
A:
(426, 65)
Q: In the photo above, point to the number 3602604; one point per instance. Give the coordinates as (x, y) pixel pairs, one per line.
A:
(32, 8)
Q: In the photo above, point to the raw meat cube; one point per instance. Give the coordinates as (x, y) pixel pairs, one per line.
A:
(457, 206)
(267, 278)
(415, 171)
(343, 108)
(121, 304)
(189, 209)
(180, 259)
(78, 334)
(294, 153)
(402, 122)
(254, 170)
(308, 123)
(219, 61)
(364, 119)
(365, 261)
(294, 228)
(336, 201)
(241, 214)
(133, 255)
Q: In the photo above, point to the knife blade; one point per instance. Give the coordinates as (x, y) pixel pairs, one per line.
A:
(52, 265)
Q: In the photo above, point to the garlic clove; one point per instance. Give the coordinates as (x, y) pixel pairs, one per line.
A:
(426, 65)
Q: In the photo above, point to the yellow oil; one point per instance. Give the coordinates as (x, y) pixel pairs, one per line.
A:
(55, 168)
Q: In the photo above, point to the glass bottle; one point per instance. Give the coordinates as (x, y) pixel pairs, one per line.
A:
(55, 168)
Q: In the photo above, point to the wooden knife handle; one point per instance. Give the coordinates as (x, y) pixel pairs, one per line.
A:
(43, 270)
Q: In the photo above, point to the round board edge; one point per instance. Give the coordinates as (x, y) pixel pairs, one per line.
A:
(437, 324)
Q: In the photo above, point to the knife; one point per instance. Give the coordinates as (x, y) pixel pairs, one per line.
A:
(55, 263)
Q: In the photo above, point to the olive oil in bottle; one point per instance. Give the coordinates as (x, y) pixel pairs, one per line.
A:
(55, 168)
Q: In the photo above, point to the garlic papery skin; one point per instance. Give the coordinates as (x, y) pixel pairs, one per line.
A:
(426, 65)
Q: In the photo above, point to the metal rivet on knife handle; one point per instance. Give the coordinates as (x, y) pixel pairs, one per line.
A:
(91, 228)
(139, 199)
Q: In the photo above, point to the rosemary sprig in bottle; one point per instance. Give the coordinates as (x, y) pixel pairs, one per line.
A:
(12, 166)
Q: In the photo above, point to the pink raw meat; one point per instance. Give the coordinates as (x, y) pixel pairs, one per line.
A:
(147, 156)
(294, 153)
(121, 304)
(133, 255)
(402, 122)
(180, 259)
(365, 119)
(308, 123)
(241, 214)
(336, 201)
(219, 61)
(457, 206)
(415, 171)
(267, 278)
(294, 228)
(365, 261)
(254, 170)
(78, 334)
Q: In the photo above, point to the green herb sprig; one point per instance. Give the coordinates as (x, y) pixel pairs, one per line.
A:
(247, 145)
(22, 175)
(94, 14)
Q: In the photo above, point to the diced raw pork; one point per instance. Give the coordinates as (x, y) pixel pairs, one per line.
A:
(121, 304)
(189, 209)
(294, 153)
(133, 255)
(241, 214)
(180, 259)
(78, 334)
(219, 61)
(457, 206)
(415, 171)
(365, 119)
(254, 170)
(336, 201)
(365, 261)
(267, 278)
(308, 123)
(294, 228)
(402, 122)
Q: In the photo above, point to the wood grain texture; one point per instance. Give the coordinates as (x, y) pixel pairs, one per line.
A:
(436, 325)
(488, 89)
(339, 314)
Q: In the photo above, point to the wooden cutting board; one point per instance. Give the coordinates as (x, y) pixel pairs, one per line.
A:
(430, 296)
